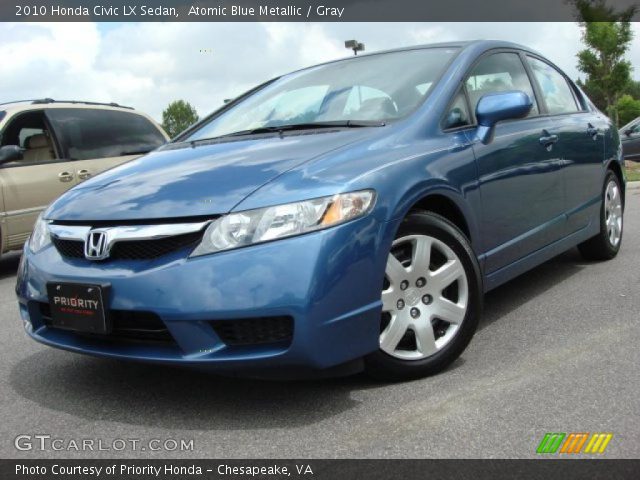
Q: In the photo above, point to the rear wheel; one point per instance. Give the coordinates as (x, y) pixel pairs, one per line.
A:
(431, 299)
(606, 244)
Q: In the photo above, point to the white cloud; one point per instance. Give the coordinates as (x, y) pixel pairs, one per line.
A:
(148, 65)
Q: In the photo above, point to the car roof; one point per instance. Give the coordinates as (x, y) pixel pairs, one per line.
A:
(479, 46)
(47, 103)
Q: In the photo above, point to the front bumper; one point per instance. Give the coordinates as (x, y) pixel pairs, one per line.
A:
(327, 282)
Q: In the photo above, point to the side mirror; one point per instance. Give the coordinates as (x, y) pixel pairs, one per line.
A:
(9, 153)
(495, 107)
(628, 132)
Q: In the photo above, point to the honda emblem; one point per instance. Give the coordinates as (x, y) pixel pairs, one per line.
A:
(96, 246)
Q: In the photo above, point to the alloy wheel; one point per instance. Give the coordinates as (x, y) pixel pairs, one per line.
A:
(613, 213)
(424, 298)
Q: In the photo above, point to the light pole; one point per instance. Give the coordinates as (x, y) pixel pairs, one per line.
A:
(354, 45)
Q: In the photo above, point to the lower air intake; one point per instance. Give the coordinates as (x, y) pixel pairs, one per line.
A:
(255, 331)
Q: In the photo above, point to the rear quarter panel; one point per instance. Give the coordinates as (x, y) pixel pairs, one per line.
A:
(613, 153)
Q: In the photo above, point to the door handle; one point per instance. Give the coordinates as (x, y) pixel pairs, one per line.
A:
(548, 140)
(83, 174)
(592, 131)
(65, 176)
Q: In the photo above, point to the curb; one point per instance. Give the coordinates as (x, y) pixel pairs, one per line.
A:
(633, 185)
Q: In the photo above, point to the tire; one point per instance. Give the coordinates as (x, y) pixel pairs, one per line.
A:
(432, 275)
(606, 244)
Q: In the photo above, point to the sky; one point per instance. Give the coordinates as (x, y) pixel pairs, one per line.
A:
(148, 65)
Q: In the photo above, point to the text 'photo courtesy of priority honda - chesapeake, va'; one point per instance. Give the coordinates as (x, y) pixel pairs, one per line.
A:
(320, 239)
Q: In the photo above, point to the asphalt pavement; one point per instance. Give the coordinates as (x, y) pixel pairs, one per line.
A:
(557, 351)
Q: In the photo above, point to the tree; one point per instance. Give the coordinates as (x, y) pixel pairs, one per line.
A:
(628, 108)
(606, 34)
(594, 94)
(178, 116)
(633, 89)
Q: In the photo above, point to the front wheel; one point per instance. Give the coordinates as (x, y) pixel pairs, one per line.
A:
(606, 244)
(431, 299)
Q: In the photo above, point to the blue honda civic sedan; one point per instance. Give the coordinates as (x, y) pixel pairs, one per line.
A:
(346, 216)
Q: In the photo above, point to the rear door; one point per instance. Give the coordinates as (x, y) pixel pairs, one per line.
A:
(30, 184)
(581, 146)
(99, 139)
(519, 170)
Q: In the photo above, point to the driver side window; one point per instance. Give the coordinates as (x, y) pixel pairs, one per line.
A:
(29, 131)
(499, 72)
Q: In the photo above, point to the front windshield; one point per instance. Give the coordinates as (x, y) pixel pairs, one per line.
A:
(374, 88)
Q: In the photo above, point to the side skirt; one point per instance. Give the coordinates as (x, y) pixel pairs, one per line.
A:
(497, 278)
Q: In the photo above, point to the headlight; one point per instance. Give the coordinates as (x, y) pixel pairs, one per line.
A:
(263, 224)
(40, 237)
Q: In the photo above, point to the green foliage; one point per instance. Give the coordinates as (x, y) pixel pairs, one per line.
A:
(633, 89)
(606, 34)
(594, 93)
(598, 11)
(178, 116)
(632, 171)
(628, 108)
(633, 176)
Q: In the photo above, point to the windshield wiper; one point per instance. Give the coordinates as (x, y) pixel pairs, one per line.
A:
(297, 126)
(309, 126)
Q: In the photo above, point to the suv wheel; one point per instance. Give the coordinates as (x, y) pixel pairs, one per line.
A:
(606, 244)
(432, 296)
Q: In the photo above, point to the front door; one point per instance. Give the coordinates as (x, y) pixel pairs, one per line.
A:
(519, 171)
(30, 184)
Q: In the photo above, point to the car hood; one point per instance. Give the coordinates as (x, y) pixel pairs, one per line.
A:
(177, 181)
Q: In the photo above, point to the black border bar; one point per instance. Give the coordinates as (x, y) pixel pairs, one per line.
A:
(294, 10)
(544, 469)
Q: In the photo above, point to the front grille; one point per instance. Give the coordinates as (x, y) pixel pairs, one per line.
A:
(254, 331)
(143, 327)
(146, 249)
(69, 248)
(133, 249)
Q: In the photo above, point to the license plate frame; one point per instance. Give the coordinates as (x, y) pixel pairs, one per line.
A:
(79, 307)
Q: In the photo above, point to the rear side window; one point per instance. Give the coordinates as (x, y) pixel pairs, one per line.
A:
(90, 134)
(2, 114)
(499, 72)
(556, 91)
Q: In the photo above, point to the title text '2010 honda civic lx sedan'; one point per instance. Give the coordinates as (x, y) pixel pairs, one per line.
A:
(349, 215)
